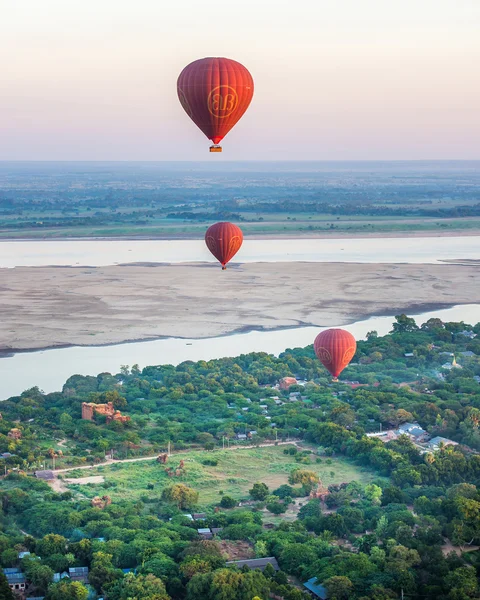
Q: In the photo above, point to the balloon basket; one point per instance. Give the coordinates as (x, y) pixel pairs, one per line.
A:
(224, 268)
(215, 148)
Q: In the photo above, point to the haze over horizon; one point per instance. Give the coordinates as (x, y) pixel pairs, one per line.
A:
(334, 80)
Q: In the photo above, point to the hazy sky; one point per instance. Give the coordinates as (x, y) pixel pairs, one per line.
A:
(335, 79)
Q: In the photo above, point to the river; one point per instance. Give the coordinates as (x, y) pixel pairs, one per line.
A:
(49, 369)
(96, 253)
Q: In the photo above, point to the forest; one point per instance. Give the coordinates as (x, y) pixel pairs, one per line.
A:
(368, 487)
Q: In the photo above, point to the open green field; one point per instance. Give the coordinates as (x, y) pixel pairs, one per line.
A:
(237, 470)
(272, 225)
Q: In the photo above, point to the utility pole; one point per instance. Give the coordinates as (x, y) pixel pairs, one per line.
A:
(53, 460)
(168, 448)
(223, 442)
(402, 594)
(276, 434)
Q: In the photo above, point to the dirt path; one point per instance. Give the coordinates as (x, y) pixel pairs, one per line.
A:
(110, 462)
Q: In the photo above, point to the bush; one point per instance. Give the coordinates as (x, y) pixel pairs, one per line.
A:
(210, 462)
(228, 502)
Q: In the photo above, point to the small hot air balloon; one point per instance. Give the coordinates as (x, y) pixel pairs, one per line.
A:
(335, 348)
(224, 241)
(215, 93)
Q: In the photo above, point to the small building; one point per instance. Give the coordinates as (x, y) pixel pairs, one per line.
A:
(255, 563)
(35, 598)
(23, 554)
(188, 516)
(16, 581)
(59, 576)
(435, 443)
(468, 334)
(286, 382)
(216, 530)
(78, 574)
(199, 516)
(45, 475)
(316, 590)
(241, 436)
(252, 433)
(205, 533)
(468, 353)
(409, 355)
(14, 434)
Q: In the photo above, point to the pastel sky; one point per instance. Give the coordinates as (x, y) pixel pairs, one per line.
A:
(335, 79)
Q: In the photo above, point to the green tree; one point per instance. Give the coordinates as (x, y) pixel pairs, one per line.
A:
(339, 587)
(404, 324)
(140, 587)
(373, 493)
(73, 590)
(181, 495)
(228, 502)
(5, 591)
(259, 491)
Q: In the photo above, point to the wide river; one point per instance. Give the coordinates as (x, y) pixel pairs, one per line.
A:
(361, 250)
(49, 369)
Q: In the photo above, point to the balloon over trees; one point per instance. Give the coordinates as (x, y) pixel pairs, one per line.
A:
(335, 348)
(215, 93)
(224, 241)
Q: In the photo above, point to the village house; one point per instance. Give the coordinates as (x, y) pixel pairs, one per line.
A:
(436, 442)
(205, 533)
(16, 580)
(315, 589)
(286, 382)
(14, 434)
(45, 475)
(255, 563)
(78, 574)
(413, 431)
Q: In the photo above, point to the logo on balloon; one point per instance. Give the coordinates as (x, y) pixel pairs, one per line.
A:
(211, 244)
(184, 102)
(234, 245)
(222, 101)
(324, 355)
(347, 357)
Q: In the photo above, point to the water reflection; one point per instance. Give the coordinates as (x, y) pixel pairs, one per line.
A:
(364, 250)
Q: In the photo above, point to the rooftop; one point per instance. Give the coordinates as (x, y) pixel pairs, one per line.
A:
(47, 475)
(255, 563)
(317, 590)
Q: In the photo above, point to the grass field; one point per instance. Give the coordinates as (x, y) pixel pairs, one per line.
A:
(236, 472)
(273, 225)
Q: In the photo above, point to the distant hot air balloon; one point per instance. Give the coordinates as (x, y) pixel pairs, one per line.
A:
(335, 348)
(224, 241)
(215, 93)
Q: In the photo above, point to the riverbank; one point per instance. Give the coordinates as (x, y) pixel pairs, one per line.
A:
(293, 234)
(52, 307)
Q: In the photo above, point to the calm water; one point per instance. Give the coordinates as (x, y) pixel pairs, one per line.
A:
(362, 250)
(50, 369)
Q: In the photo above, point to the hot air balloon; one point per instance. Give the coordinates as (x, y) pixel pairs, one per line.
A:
(335, 349)
(215, 93)
(224, 241)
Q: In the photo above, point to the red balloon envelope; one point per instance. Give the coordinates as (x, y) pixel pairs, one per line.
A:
(224, 241)
(215, 93)
(335, 348)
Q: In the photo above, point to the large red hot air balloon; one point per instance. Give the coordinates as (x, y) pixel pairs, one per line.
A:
(215, 93)
(335, 349)
(224, 241)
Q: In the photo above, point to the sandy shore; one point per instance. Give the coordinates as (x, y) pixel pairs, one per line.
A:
(43, 307)
(276, 235)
